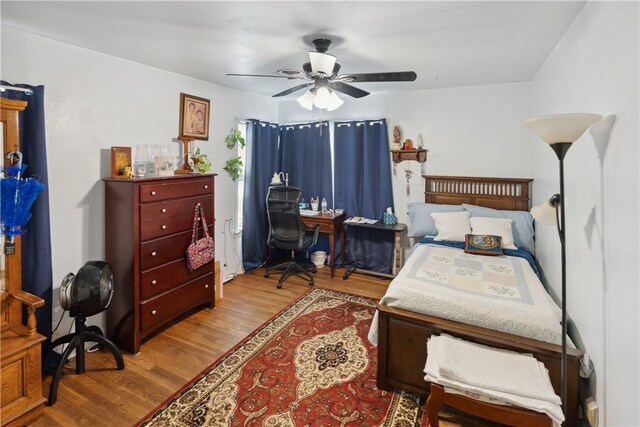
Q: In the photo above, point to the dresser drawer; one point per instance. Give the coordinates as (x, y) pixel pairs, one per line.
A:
(173, 190)
(168, 305)
(181, 207)
(165, 277)
(165, 249)
(174, 224)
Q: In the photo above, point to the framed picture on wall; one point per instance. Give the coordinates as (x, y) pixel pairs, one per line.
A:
(194, 117)
(120, 162)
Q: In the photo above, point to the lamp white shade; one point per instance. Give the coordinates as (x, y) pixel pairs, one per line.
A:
(275, 179)
(334, 102)
(322, 63)
(545, 212)
(323, 98)
(557, 128)
(306, 100)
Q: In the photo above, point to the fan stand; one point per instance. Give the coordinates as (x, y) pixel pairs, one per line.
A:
(76, 342)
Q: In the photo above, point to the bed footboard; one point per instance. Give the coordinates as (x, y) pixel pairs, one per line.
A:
(402, 352)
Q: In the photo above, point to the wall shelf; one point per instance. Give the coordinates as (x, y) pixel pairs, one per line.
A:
(419, 155)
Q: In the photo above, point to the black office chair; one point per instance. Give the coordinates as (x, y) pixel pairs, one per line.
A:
(287, 231)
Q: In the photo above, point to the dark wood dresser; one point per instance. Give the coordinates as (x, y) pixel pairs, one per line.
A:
(148, 229)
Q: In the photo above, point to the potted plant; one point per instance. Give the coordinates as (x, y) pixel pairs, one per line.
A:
(234, 167)
(201, 162)
(234, 138)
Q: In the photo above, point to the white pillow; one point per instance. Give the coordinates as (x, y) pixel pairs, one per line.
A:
(451, 225)
(495, 227)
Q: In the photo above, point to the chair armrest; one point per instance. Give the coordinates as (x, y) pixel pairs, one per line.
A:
(28, 299)
(32, 302)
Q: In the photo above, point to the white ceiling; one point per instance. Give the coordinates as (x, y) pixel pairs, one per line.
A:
(447, 43)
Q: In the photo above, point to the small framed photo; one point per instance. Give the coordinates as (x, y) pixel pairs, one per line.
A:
(194, 117)
(120, 162)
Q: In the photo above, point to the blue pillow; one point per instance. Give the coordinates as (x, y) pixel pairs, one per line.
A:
(421, 223)
(522, 226)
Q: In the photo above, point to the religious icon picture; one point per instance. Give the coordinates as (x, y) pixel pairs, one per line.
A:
(194, 117)
(120, 162)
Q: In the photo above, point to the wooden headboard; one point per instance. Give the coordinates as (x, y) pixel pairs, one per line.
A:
(496, 193)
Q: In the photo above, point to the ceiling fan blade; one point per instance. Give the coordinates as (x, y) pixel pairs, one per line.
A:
(348, 89)
(293, 89)
(398, 76)
(265, 75)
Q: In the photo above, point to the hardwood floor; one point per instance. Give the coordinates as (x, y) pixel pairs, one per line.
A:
(104, 396)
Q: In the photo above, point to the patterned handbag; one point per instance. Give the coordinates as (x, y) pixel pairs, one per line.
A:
(200, 251)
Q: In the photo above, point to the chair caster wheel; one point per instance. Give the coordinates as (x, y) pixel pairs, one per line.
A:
(311, 282)
(345, 276)
(314, 271)
(266, 275)
(279, 286)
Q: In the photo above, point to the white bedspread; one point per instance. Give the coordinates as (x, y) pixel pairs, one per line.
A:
(488, 374)
(499, 293)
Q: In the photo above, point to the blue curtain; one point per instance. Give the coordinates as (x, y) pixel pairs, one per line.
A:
(36, 242)
(363, 188)
(305, 151)
(262, 161)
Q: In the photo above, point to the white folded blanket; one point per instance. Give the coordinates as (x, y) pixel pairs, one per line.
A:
(497, 376)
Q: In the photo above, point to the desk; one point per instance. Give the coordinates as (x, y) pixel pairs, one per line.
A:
(329, 223)
(398, 255)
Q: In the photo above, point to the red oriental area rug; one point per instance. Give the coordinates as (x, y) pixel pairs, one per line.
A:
(311, 365)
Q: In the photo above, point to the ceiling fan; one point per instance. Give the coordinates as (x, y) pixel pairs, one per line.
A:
(322, 71)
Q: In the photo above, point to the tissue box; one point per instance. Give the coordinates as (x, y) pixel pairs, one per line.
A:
(389, 218)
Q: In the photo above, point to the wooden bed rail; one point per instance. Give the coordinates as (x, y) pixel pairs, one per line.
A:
(497, 193)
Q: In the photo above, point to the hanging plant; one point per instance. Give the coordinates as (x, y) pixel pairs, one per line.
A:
(201, 162)
(234, 138)
(234, 167)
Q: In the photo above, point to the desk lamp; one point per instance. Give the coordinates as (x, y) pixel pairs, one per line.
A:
(560, 131)
(275, 179)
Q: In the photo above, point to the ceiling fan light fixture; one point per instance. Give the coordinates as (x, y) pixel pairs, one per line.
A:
(323, 98)
(335, 102)
(322, 63)
(306, 100)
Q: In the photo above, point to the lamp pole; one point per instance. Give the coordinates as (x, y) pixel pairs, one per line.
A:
(561, 149)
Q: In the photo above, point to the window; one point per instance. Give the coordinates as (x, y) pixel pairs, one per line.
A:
(242, 152)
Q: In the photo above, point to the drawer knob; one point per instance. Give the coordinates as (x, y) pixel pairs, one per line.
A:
(164, 227)
(163, 210)
(206, 186)
(153, 282)
(154, 312)
(153, 193)
(206, 286)
(153, 253)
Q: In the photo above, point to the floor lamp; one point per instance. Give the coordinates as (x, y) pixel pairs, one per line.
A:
(560, 131)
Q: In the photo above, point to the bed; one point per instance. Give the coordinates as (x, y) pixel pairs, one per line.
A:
(402, 334)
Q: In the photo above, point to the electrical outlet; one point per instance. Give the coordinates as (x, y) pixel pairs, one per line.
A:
(591, 411)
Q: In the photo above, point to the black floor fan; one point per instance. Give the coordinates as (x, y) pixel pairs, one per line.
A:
(85, 294)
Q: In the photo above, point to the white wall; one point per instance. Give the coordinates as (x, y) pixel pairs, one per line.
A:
(474, 131)
(94, 101)
(594, 68)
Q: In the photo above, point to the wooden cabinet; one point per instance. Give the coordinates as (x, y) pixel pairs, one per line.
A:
(21, 400)
(148, 229)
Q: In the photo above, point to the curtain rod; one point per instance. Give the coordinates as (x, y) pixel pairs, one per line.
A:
(4, 88)
(360, 122)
